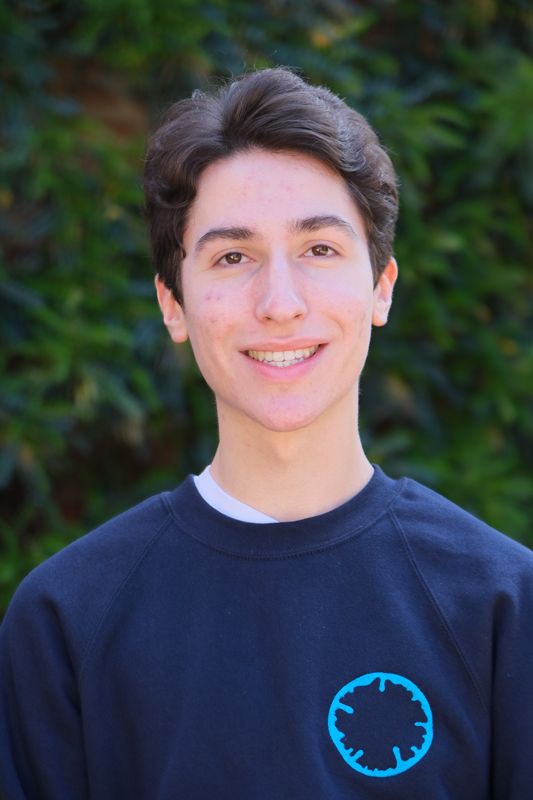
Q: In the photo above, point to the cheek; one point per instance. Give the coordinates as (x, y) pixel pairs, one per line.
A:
(211, 311)
(351, 306)
(211, 319)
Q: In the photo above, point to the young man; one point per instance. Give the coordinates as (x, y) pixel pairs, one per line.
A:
(292, 623)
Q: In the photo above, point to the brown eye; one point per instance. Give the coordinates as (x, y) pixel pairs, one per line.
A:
(320, 250)
(233, 258)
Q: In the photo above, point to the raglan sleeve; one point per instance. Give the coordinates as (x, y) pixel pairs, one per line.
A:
(41, 739)
(512, 705)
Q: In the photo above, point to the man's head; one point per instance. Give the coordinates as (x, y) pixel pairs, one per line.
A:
(272, 208)
(276, 111)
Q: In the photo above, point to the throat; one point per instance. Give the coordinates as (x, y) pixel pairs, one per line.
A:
(294, 475)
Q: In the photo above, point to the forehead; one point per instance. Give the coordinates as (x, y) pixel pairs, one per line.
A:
(267, 190)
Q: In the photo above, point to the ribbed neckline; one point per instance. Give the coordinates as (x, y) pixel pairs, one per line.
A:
(280, 539)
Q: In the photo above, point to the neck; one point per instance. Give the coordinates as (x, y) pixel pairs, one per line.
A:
(297, 474)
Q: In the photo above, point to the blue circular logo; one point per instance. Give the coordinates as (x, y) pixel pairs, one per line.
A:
(377, 720)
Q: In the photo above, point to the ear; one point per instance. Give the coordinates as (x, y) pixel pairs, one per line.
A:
(383, 293)
(173, 315)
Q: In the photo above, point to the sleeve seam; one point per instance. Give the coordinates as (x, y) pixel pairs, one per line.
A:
(115, 595)
(440, 614)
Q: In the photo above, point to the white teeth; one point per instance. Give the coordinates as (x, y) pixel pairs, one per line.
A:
(283, 358)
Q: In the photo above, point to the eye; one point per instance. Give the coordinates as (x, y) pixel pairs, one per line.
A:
(231, 259)
(320, 250)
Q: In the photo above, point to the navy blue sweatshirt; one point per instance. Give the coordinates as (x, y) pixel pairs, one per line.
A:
(381, 650)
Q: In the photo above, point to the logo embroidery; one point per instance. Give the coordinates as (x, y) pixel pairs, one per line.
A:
(378, 718)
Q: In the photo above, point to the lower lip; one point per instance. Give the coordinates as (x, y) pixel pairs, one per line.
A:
(284, 374)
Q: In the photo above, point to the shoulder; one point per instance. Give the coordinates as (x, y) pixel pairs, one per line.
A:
(480, 580)
(72, 589)
(446, 534)
(112, 547)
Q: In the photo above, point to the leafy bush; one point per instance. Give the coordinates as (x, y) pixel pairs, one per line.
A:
(98, 409)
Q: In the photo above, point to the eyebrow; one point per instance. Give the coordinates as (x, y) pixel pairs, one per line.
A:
(307, 225)
(311, 224)
(223, 233)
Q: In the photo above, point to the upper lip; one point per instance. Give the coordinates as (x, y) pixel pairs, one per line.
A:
(292, 344)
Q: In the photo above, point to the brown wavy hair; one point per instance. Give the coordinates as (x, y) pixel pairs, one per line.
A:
(273, 110)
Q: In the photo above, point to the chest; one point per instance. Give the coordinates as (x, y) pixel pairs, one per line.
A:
(293, 682)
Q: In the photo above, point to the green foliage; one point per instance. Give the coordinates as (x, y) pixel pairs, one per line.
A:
(97, 408)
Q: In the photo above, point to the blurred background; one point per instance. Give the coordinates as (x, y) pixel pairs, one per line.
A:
(98, 409)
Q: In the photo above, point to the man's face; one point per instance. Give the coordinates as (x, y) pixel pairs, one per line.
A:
(277, 272)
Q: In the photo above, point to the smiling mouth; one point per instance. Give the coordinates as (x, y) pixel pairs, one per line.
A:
(283, 358)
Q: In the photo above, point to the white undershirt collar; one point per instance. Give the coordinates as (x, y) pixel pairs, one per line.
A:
(224, 502)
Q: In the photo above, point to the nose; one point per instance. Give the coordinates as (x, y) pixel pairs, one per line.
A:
(280, 298)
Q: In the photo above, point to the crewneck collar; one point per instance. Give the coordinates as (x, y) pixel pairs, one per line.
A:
(280, 539)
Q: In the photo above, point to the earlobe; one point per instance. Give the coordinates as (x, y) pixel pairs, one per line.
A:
(173, 315)
(383, 293)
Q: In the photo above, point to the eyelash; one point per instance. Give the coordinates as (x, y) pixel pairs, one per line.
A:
(232, 253)
(238, 253)
(322, 255)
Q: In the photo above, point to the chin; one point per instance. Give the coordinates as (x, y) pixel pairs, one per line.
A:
(283, 420)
